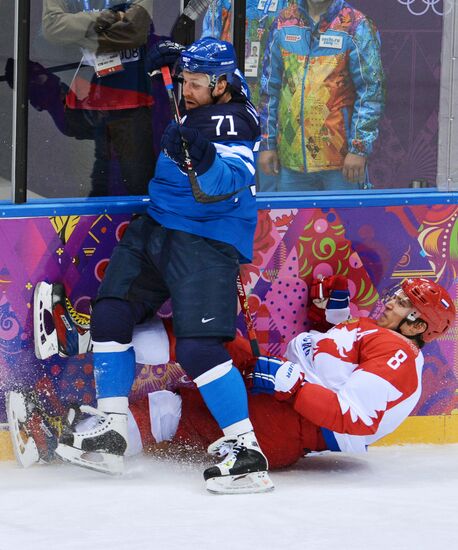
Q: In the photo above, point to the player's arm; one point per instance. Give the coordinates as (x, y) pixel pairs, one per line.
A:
(233, 169)
(224, 162)
(358, 407)
(355, 409)
(369, 81)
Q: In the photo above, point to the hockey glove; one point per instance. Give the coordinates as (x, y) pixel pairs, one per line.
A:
(330, 301)
(163, 54)
(274, 375)
(288, 380)
(262, 377)
(201, 150)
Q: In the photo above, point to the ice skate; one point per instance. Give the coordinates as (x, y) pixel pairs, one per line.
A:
(58, 327)
(243, 470)
(34, 433)
(101, 446)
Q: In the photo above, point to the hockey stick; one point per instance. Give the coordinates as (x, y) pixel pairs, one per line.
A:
(199, 195)
(195, 7)
(247, 316)
(196, 189)
(184, 27)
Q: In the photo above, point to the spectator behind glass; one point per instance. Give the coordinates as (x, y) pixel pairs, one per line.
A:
(322, 90)
(109, 99)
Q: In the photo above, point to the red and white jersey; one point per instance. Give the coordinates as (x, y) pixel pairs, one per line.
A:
(364, 381)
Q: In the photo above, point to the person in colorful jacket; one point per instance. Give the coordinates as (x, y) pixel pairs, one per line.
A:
(323, 93)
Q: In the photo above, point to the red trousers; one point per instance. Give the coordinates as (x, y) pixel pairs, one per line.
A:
(284, 436)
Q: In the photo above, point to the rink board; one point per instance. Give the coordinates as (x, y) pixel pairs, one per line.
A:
(375, 245)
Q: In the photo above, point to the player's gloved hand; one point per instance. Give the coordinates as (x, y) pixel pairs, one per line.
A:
(275, 375)
(289, 379)
(261, 379)
(201, 150)
(163, 54)
(105, 20)
(330, 301)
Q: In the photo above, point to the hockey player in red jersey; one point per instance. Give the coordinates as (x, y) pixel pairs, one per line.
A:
(338, 390)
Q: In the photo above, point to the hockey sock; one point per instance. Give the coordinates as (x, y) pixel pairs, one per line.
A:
(224, 393)
(114, 371)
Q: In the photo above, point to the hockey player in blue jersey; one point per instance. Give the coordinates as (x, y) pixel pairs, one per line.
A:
(189, 251)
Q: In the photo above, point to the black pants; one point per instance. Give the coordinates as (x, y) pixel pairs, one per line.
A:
(152, 263)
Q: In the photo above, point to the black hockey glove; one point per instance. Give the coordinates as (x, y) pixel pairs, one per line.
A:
(201, 150)
(163, 54)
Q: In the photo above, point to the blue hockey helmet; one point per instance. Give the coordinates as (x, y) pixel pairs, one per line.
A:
(210, 56)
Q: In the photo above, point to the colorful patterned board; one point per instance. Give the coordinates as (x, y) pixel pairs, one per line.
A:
(375, 247)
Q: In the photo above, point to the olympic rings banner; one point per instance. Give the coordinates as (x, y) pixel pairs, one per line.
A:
(421, 7)
(374, 247)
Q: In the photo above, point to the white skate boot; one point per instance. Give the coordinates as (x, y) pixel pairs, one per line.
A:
(101, 446)
(34, 433)
(243, 470)
(57, 326)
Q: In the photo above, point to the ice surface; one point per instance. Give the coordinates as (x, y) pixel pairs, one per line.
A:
(392, 498)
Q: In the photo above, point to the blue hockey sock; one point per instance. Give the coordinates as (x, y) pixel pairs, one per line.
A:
(224, 393)
(114, 369)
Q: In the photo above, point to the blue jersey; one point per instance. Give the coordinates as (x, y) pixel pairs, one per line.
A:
(234, 130)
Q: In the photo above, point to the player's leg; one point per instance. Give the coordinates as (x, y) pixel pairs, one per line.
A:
(57, 326)
(34, 431)
(35, 426)
(131, 289)
(204, 300)
(114, 372)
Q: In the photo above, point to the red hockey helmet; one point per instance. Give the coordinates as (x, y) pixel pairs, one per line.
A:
(432, 304)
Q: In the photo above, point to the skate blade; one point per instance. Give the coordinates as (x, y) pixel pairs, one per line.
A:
(255, 482)
(24, 447)
(106, 463)
(46, 344)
